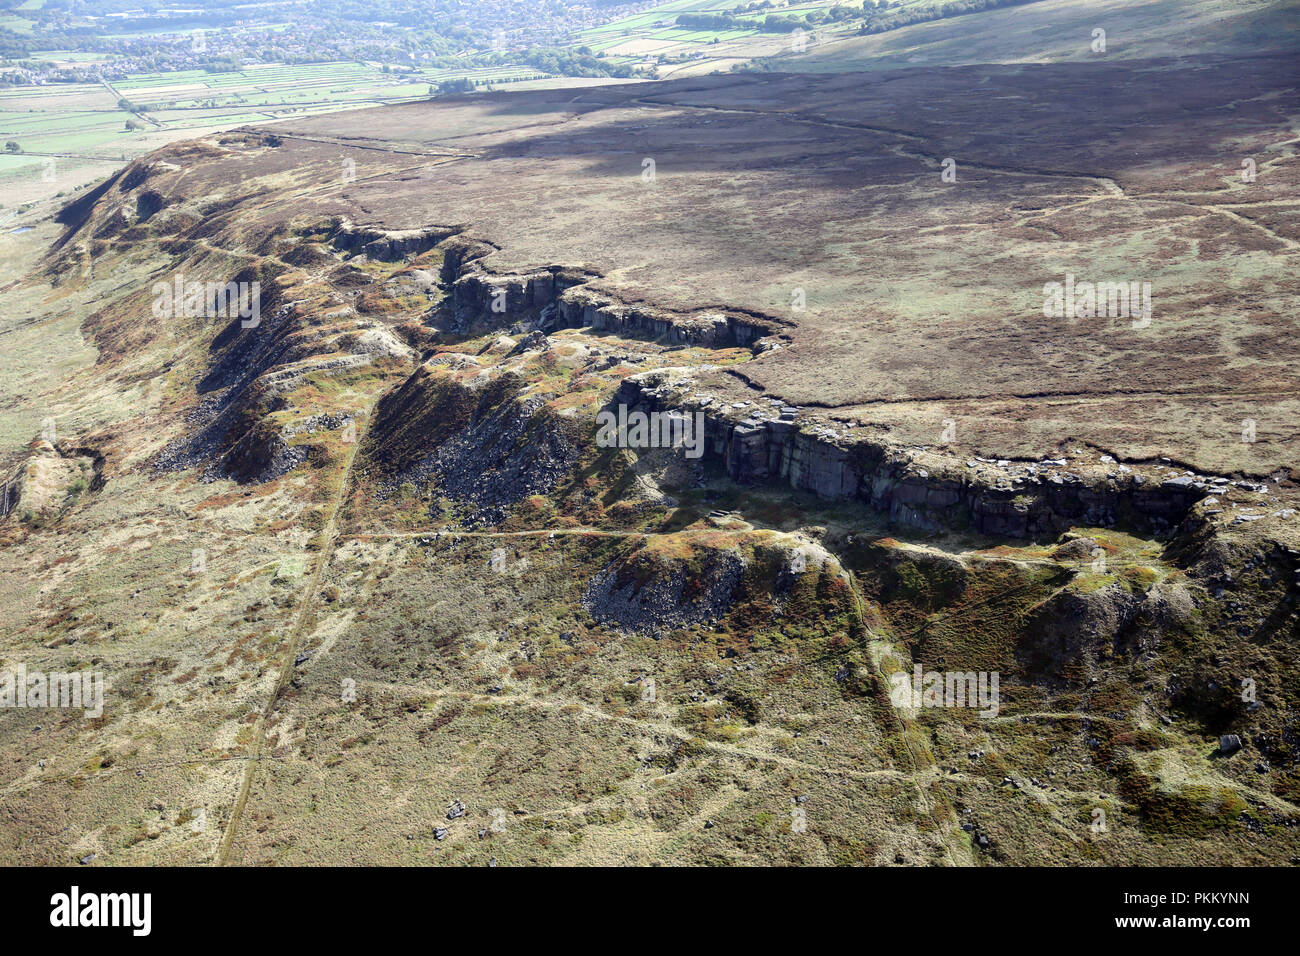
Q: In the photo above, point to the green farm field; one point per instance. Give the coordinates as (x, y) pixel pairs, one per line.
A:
(654, 36)
(82, 128)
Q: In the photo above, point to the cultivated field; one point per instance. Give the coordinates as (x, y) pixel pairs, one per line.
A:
(71, 135)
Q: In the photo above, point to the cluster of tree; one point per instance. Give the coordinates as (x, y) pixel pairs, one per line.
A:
(466, 84)
(224, 64)
(772, 23)
(570, 63)
(881, 21)
(775, 24)
(834, 14)
(461, 84)
(712, 21)
(26, 64)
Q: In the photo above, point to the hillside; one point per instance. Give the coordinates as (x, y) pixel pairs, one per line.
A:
(1054, 31)
(367, 582)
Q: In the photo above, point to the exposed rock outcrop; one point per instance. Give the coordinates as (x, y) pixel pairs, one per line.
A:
(251, 369)
(388, 245)
(646, 592)
(558, 298)
(48, 478)
(754, 449)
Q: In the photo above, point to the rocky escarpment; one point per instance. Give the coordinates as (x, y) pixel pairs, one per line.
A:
(558, 297)
(251, 371)
(388, 245)
(1040, 500)
(1030, 500)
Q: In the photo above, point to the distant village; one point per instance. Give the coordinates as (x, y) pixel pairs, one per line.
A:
(223, 39)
